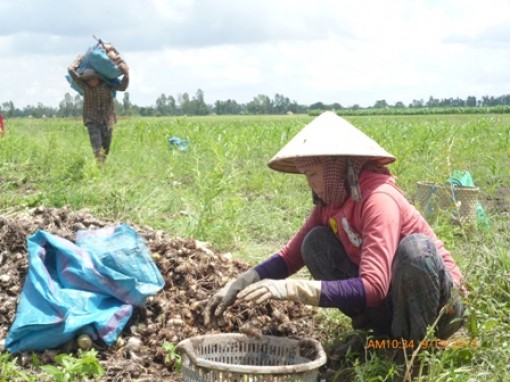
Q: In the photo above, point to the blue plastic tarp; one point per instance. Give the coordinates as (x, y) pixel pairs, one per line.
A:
(181, 144)
(90, 287)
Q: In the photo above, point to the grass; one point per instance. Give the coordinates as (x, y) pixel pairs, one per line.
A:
(222, 191)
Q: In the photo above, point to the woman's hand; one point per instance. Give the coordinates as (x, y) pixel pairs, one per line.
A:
(227, 295)
(308, 292)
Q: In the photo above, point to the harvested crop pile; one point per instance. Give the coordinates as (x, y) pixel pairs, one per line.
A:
(191, 272)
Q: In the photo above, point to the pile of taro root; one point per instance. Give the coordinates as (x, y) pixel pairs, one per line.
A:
(192, 273)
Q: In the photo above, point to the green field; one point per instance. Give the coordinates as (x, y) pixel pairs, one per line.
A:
(221, 191)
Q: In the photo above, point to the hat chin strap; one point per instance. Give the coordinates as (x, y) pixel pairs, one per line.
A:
(352, 180)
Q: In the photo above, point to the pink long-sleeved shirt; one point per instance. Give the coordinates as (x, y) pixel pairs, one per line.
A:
(370, 231)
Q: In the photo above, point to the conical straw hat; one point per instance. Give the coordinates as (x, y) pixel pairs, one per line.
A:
(328, 135)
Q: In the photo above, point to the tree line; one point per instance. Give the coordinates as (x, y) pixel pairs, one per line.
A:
(184, 104)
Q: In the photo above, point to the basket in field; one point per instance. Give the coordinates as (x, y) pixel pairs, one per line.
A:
(236, 357)
(431, 197)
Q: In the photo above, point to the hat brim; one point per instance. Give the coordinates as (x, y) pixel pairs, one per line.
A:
(328, 135)
(288, 165)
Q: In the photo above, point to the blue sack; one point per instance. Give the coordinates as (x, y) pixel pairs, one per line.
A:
(97, 59)
(89, 287)
(73, 84)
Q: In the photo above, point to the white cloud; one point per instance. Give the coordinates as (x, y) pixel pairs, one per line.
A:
(307, 50)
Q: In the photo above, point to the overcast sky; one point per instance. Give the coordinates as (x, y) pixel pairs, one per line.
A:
(350, 52)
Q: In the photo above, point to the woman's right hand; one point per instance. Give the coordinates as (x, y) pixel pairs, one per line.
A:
(227, 295)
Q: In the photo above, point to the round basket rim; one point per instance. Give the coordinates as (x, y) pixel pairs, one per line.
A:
(186, 347)
(448, 186)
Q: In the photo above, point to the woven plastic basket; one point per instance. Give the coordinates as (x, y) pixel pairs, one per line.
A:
(236, 357)
(431, 197)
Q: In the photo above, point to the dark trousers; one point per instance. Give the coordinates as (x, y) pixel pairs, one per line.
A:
(420, 286)
(100, 140)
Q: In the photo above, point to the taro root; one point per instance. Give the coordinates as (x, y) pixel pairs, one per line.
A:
(192, 273)
(84, 342)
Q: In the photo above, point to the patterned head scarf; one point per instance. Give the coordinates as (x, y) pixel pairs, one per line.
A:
(340, 176)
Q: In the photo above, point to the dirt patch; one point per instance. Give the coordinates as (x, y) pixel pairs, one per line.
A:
(191, 272)
(499, 202)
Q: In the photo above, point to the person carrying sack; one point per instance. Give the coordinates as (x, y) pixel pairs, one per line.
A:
(370, 252)
(98, 105)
